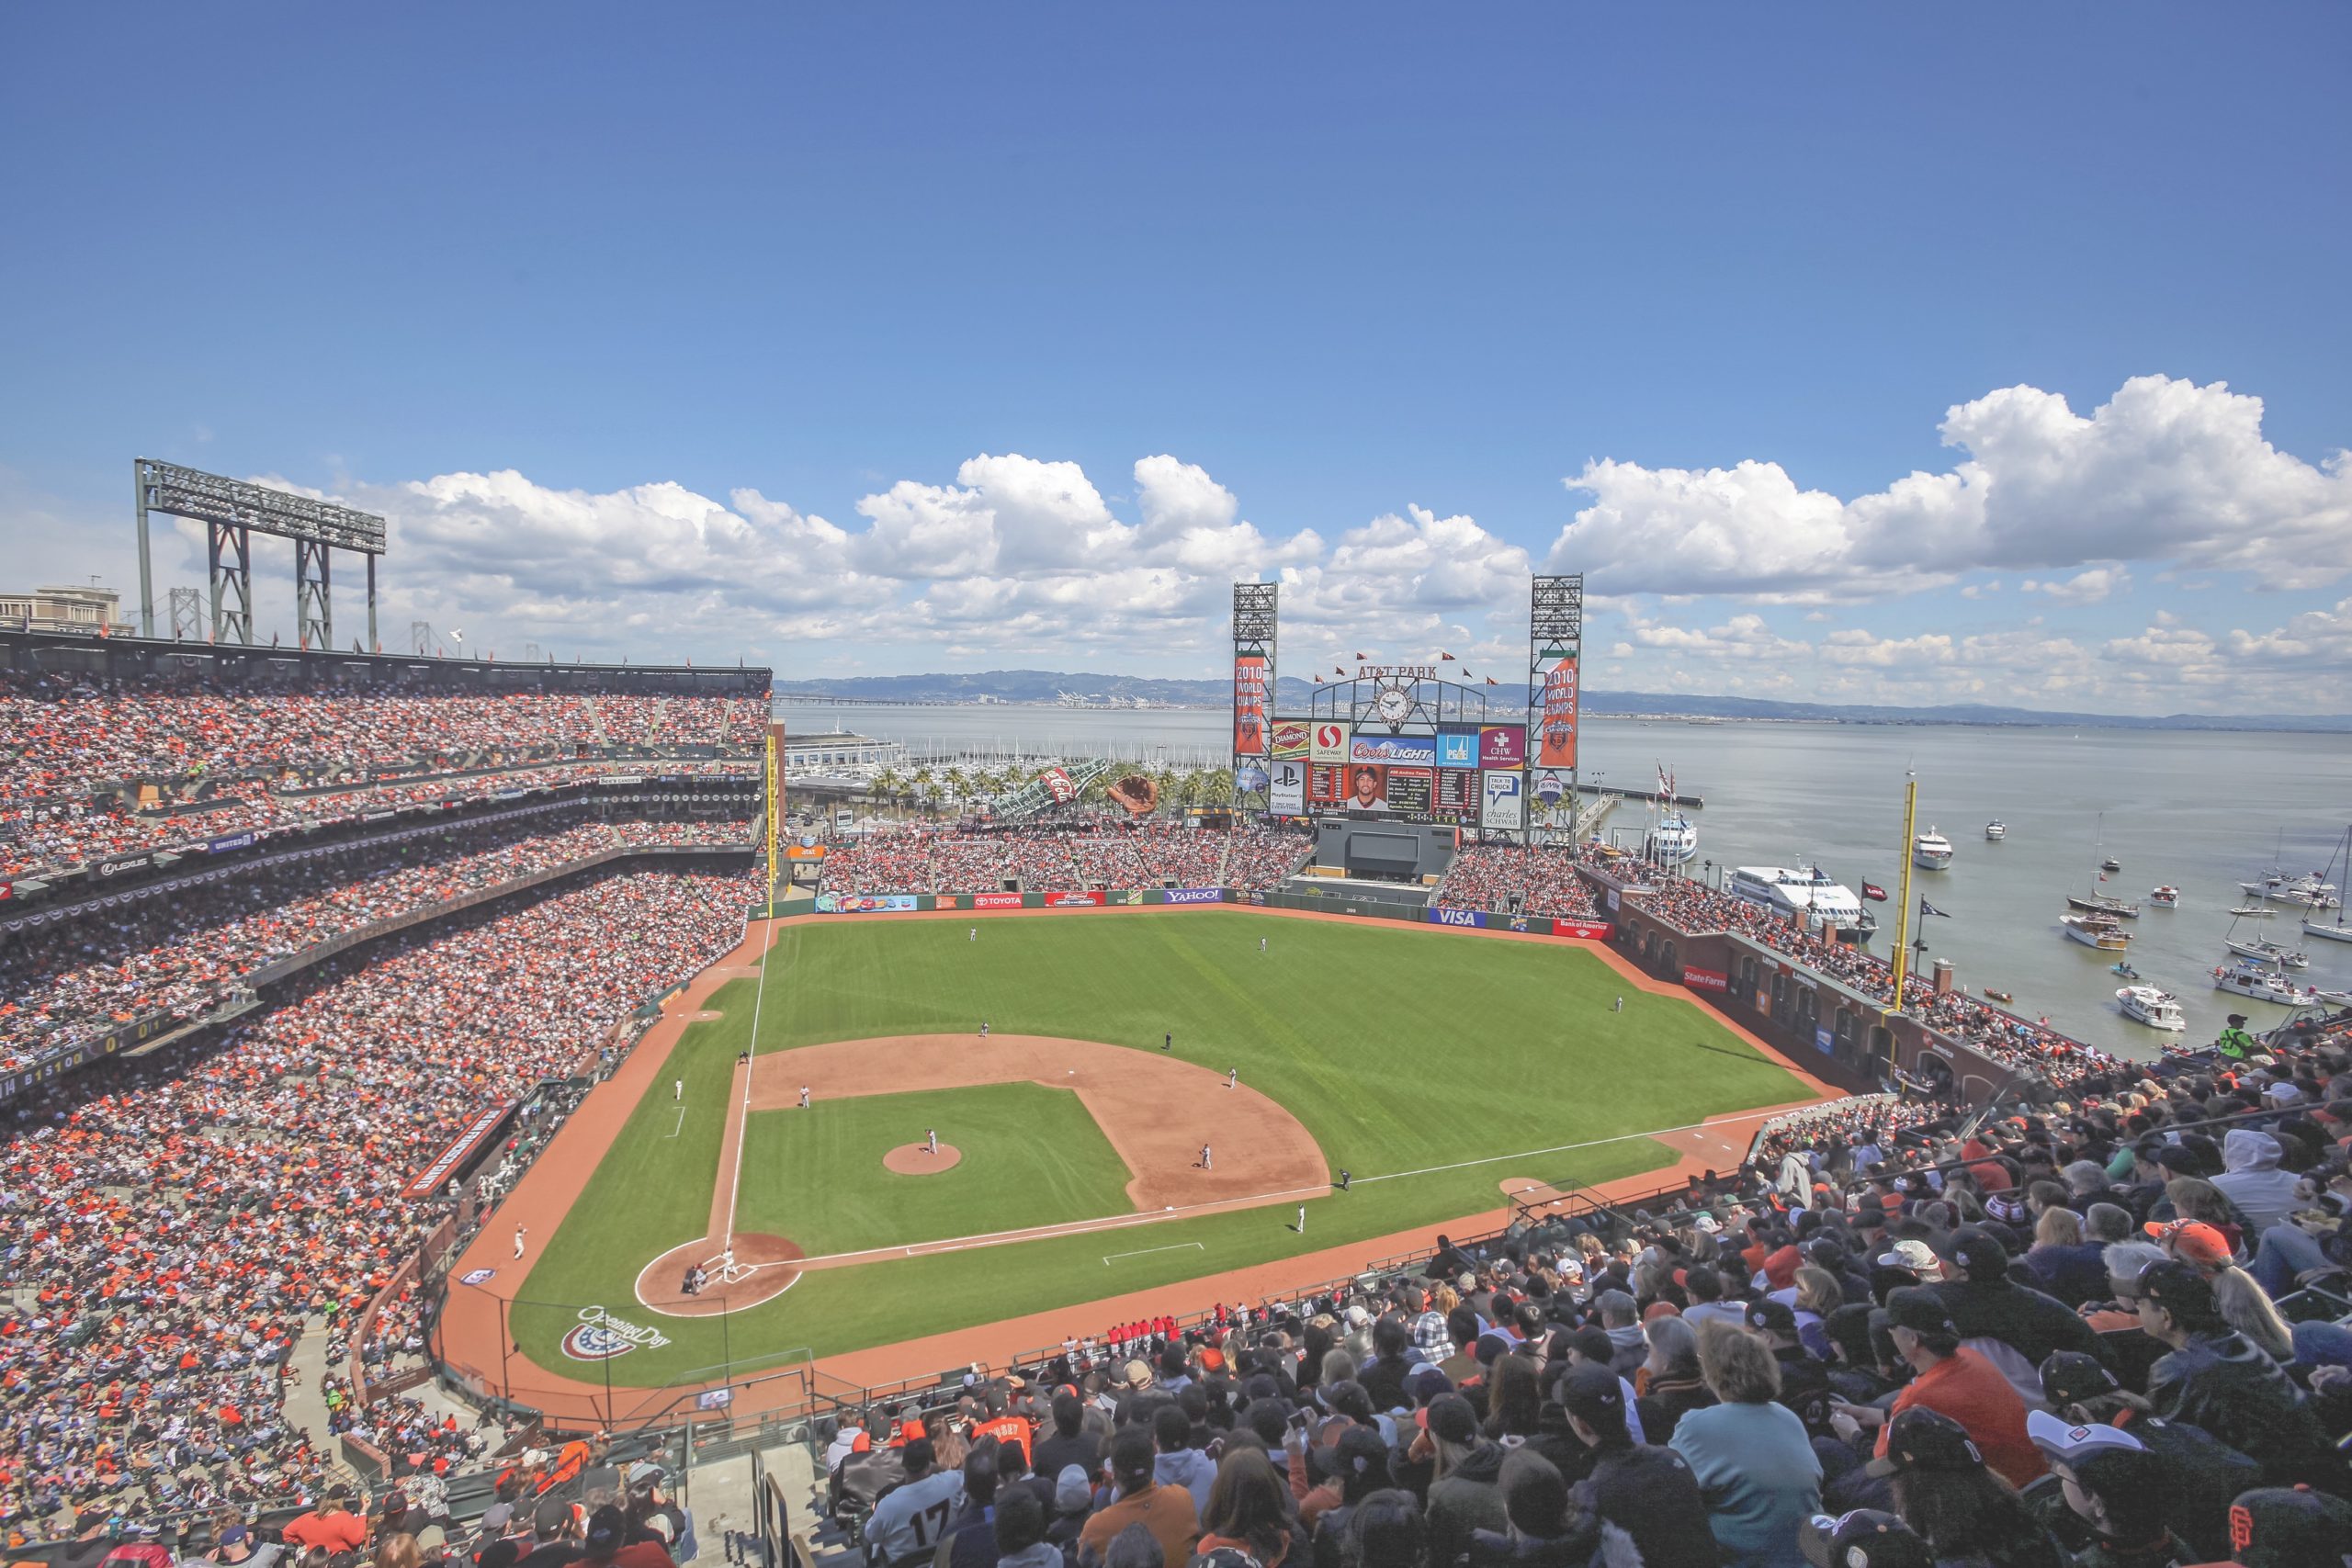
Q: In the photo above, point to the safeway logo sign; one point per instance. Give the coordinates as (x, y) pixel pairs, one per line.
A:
(1329, 743)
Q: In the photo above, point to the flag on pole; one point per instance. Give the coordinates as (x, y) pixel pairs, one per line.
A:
(1871, 890)
(1926, 908)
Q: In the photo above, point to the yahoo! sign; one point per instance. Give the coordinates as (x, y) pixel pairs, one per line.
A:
(1193, 896)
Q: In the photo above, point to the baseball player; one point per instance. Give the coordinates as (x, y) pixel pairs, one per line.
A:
(931, 1140)
(1620, 1007)
(973, 935)
(804, 1096)
(1261, 944)
(518, 1237)
(1302, 1219)
(984, 1028)
(1207, 1164)
(726, 1263)
(677, 1089)
(1167, 1040)
(1233, 1078)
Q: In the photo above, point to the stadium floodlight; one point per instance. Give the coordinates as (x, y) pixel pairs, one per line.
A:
(232, 511)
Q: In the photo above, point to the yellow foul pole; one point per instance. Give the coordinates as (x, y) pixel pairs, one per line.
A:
(775, 815)
(1903, 910)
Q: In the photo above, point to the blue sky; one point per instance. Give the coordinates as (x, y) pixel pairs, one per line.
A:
(877, 339)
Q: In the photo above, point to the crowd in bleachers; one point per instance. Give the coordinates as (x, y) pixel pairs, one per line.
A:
(95, 768)
(171, 1223)
(1529, 879)
(175, 955)
(1891, 1338)
(2028, 1045)
(1109, 856)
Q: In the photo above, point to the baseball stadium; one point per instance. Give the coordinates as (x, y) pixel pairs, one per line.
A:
(467, 1082)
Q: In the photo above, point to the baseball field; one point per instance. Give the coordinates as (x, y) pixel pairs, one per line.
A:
(1439, 1070)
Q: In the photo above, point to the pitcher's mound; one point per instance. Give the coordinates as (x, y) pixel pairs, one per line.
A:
(764, 1270)
(916, 1159)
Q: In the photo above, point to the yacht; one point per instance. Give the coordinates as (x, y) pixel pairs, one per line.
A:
(2253, 912)
(2263, 985)
(1808, 897)
(2151, 1006)
(2338, 931)
(2096, 931)
(2164, 898)
(1931, 850)
(2110, 864)
(2333, 930)
(2100, 904)
(2308, 890)
(1996, 830)
(1672, 841)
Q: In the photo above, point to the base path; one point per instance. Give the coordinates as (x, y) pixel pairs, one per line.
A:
(922, 1160)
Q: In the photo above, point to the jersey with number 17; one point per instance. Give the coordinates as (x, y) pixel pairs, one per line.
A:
(910, 1521)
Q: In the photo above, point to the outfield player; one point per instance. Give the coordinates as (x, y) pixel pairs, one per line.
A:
(1302, 1219)
(677, 1091)
(1167, 1040)
(974, 935)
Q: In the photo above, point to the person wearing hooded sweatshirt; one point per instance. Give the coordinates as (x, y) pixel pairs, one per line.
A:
(2252, 1180)
(2214, 1378)
(1465, 1493)
(1546, 1530)
(1648, 1492)
(1987, 1304)
(1178, 1463)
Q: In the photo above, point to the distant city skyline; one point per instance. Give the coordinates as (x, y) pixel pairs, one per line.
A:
(1855, 358)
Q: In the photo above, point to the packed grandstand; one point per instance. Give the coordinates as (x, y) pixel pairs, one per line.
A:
(2104, 1321)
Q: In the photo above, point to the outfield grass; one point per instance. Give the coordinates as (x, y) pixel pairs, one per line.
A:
(816, 1175)
(1406, 1054)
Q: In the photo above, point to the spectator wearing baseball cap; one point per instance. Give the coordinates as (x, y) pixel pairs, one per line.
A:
(2116, 1486)
(606, 1540)
(1166, 1511)
(2193, 1241)
(2214, 1378)
(2009, 1324)
(1649, 1493)
(1960, 1383)
(1945, 1490)
(1750, 1455)
(1805, 1382)
(1866, 1538)
(2282, 1526)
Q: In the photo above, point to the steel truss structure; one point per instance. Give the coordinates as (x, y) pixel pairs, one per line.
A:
(232, 512)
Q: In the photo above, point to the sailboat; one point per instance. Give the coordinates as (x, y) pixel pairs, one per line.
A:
(2335, 930)
(2262, 949)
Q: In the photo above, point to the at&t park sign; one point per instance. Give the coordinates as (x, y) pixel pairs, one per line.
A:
(1397, 672)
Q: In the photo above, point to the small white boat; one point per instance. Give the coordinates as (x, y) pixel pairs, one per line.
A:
(2151, 1006)
(2262, 985)
(1931, 850)
(2164, 898)
(2253, 912)
(2096, 931)
(2110, 864)
(1996, 830)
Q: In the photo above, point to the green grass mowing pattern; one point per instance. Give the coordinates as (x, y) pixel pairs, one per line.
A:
(816, 1175)
(1398, 1050)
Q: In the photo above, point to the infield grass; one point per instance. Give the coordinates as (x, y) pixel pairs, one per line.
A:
(816, 1175)
(1418, 1059)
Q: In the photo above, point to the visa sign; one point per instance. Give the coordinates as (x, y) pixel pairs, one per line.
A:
(1457, 916)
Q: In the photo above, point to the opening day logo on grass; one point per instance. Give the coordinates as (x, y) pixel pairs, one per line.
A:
(600, 1336)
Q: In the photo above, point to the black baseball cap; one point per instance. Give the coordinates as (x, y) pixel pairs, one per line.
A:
(1920, 1309)
(1773, 1317)
(1593, 1344)
(2289, 1526)
(1980, 1252)
(1596, 1396)
(1450, 1419)
(2069, 1377)
(608, 1532)
(1867, 1538)
(1921, 1439)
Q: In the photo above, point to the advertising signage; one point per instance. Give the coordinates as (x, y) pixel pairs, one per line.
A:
(1457, 747)
(1503, 746)
(1250, 672)
(1414, 751)
(1556, 745)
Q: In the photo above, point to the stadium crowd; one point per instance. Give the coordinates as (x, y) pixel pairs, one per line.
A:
(171, 1223)
(90, 768)
(1113, 855)
(175, 955)
(1894, 1337)
(1531, 879)
(2030, 1046)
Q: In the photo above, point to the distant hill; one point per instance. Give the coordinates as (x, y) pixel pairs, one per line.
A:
(1044, 686)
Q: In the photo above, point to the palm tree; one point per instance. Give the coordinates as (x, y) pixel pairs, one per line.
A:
(923, 787)
(959, 783)
(886, 783)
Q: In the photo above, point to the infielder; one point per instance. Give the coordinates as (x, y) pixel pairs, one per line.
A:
(1207, 1164)
(804, 1096)
(1233, 1078)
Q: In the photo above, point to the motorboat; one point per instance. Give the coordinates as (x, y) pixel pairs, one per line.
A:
(1808, 896)
(2123, 966)
(2100, 904)
(2309, 889)
(2151, 1006)
(2253, 912)
(1673, 841)
(2110, 864)
(1931, 851)
(1996, 830)
(1999, 995)
(2263, 985)
(2101, 931)
(2267, 951)
(2164, 898)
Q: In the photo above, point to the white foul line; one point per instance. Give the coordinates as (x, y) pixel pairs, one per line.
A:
(744, 1111)
(1172, 1246)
